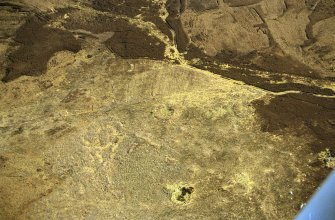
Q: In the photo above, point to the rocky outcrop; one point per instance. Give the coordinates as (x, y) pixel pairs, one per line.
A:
(263, 32)
(163, 110)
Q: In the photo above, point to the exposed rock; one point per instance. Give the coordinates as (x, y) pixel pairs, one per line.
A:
(276, 28)
(204, 5)
(164, 109)
(175, 8)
